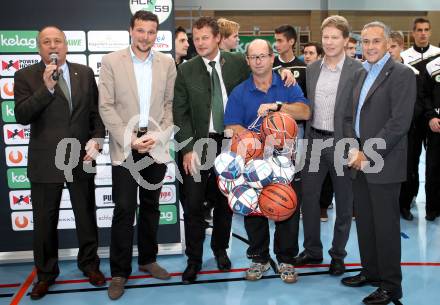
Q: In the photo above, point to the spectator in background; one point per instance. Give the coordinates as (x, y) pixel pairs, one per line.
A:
(181, 45)
(312, 52)
(350, 48)
(229, 34)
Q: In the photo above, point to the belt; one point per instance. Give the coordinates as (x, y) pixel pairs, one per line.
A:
(141, 131)
(323, 132)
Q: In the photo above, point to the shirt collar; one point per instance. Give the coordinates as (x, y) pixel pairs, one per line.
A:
(275, 82)
(339, 65)
(135, 58)
(216, 59)
(378, 65)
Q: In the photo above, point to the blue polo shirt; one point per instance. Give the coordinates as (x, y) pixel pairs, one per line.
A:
(246, 98)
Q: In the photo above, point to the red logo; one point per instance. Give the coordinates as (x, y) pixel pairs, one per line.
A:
(21, 224)
(166, 194)
(10, 64)
(16, 133)
(7, 91)
(20, 199)
(15, 158)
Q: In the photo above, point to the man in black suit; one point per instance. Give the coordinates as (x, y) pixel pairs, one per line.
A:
(56, 110)
(384, 97)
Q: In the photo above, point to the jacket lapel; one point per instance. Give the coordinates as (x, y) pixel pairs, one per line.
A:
(314, 75)
(74, 85)
(386, 70)
(155, 83)
(129, 71)
(343, 80)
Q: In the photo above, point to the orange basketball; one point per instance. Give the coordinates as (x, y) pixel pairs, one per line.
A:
(277, 201)
(247, 144)
(279, 127)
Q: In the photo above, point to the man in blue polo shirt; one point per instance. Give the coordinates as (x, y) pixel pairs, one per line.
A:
(264, 91)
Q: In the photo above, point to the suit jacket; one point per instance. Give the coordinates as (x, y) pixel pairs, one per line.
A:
(192, 94)
(386, 114)
(119, 103)
(50, 119)
(344, 93)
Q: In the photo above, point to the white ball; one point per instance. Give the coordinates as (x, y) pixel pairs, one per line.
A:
(225, 186)
(258, 173)
(243, 199)
(229, 165)
(283, 169)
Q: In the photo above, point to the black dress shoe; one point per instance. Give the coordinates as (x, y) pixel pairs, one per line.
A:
(40, 289)
(359, 281)
(430, 216)
(223, 261)
(380, 297)
(303, 258)
(190, 273)
(406, 214)
(337, 267)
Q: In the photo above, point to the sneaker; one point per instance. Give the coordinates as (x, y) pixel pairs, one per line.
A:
(116, 288)
(288, 273)
(323, 216)
(256, 271)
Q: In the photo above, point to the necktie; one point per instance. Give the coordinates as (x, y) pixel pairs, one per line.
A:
(216, 100)
(65, 89)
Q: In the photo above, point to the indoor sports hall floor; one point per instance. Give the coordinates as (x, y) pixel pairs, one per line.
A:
(420, 265)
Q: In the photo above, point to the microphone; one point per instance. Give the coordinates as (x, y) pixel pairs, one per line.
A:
(54, 61)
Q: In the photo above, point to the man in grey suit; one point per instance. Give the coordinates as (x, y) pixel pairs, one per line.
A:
(329, 89)
(384, 96)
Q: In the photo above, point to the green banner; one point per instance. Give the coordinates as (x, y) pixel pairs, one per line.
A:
(168, 214)
(245, 40)
(8, 112)
(18, 41)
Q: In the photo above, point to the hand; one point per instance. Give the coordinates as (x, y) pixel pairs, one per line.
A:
(357, 159)
(47, 77)
(287, 77)
(434, 124)
(92, 150)
(190, 163)
(265, 108)
(143, 144)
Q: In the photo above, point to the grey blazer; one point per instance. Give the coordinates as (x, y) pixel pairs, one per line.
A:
(386, 114)
(344, 93)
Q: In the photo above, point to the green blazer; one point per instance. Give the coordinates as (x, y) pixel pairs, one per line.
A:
(192, 94)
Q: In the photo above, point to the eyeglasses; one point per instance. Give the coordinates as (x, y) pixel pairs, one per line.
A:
(259, 57)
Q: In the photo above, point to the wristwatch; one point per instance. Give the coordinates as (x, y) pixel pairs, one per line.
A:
(279, 104)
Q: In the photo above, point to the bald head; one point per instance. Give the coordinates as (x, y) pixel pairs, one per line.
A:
(263, 46)
(260, 58)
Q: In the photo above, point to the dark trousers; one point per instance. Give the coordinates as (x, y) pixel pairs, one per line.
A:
(432, 185)
(125, 188)
(410, 188)
(311, 191)
(378, 228)
(45, 204)
(193, 208)
(326, 193)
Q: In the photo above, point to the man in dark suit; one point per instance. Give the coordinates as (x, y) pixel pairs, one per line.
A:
(330, 89)
(57, 110)
(384, 96)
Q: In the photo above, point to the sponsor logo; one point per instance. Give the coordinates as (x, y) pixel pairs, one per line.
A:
(17, 178)
(104, 218)
(16, 155)
(13, 63)
(103, 175)
(77, 58)
(95, 62)
(103, 197)
(296, 73)
(22, 221)
(76, 41)
(16, 134)
(7, 88)
(168, 214)
(20, 200)
(167, 194)
(164, 41)
(103, 41)
(170, 174)
(66, 219)
(8, 115)
(18, 41)
(162, 8)
(437, 78)
(65, 199)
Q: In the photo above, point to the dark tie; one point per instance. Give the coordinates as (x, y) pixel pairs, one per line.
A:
(65, 89)
(216, 100)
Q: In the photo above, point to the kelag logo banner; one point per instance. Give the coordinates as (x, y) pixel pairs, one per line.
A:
(18, 42)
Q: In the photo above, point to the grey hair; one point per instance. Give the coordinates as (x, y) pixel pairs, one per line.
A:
(379, 24)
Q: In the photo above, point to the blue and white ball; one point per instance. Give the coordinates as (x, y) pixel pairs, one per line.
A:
(229, 165)
(225, 186)
(243, 199)
(283, 169)
(258, 173)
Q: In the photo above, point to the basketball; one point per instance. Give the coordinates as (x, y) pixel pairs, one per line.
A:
(247, 144)
(277, 201)
(278, 128)
(243, 199)
(229, 165)
(225, 186)
(258, 173)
